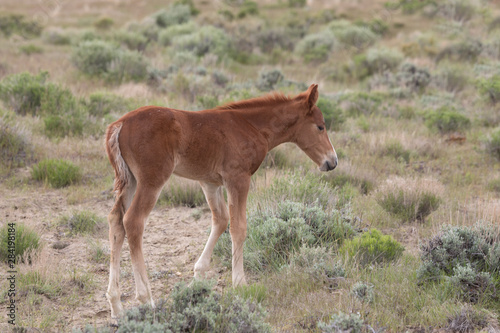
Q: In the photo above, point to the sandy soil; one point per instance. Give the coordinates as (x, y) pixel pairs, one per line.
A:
(173, 240)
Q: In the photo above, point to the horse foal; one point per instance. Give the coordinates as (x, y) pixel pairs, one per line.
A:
(217, 147)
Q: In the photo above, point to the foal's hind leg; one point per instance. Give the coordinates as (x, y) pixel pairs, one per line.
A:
(134, 222)
(116, 237)
(237, 190)
(220, 217)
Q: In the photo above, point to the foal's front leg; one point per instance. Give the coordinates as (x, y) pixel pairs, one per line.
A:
(238, 193)
(220, 218)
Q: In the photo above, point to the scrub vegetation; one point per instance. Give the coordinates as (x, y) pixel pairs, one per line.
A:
(402, 236)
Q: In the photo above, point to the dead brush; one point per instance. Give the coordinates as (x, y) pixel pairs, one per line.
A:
(468, 319)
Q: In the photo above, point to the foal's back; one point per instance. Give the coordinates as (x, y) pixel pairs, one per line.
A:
(157, 141)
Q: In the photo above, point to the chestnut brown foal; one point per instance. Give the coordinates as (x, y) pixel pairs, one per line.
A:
(218, 147)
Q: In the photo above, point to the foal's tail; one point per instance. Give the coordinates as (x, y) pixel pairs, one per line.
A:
(122, 172)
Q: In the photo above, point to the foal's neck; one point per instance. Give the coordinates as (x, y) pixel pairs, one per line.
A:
(276, 123)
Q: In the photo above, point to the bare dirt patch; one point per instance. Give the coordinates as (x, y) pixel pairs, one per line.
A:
(173, 240)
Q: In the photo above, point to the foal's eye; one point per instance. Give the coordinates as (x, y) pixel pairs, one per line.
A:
(321, 128)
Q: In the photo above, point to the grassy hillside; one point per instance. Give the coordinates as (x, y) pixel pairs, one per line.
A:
(402, 237)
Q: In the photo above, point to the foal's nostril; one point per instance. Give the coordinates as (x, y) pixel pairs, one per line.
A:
(330, 165)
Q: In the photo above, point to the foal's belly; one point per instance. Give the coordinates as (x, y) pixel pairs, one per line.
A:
(197, 172)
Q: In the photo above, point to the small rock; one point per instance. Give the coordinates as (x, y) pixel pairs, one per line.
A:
(59, 245)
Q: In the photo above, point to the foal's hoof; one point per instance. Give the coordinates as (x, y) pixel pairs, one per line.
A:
(116, 311)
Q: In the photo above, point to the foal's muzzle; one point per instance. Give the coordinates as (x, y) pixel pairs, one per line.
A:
(329, 165)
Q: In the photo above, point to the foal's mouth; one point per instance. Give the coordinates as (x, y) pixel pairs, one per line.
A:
(328, 165)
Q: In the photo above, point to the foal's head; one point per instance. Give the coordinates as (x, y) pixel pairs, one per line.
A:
(311, 135)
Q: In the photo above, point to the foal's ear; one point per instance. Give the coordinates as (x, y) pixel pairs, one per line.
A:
(312, 95)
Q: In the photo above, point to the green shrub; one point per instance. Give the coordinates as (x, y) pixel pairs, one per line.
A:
(94, 57)
(447, 120)
(309, 188)
(409, 200)
(457, 10)
(57, 173)
(396, 150)
(296, 3)
(276, 159)
(105, 60)
(183, 194)
(274, 38)
(376, 61)
(463, 252)
(166, 36)
(101, 104)
(334, 117)
(494, 185)
(490, 87)
(83, 222)
(363, 291)
(147, 28)
(63, 114)
(276, 234)
(412, 77)
(207, 40)
(176, 14)
(343, 322)
(470, 284)
(340, 179)
(30, 49)
(269, 80)
(469, 319)
(194, 11)
(352, 35)
(494, 24)
(372, 247)
(493, 144)
(23, 92)
(207, 102)
(377, 25)
(18, 24)
(98, 252)
(104, 23)
(467, 50)
(452, 78)
(132, 40)
(26, 242)
(56, 37)
(194, 308)
(220, 78)
(248, 7)
(15, 148)
(361, 103)
(316, 48)
(127, 66)
(317, 262)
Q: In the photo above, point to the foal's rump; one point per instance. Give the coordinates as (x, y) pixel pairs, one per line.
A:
(142, 143)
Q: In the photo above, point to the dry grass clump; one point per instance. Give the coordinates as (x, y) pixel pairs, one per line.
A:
(16, 149)
(26, 244)
(182, 192)
(402, 145)
(57, 172)
(410, 199)
(469, 319)
(46, 291)
(82, 222)
(350, 173)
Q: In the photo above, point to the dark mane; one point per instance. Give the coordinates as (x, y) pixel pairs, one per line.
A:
(271, 99)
